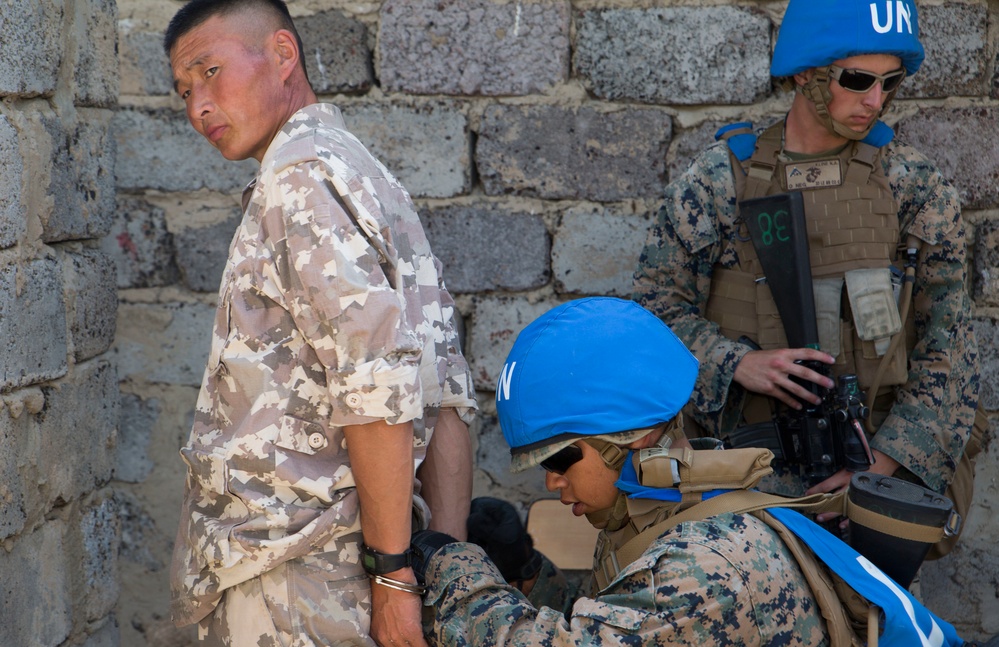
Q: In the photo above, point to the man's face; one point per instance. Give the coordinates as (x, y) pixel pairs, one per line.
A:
(231, 84)
(587, 485)
(857, 110)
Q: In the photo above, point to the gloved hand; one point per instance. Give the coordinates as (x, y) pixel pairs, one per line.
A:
(425, 544)
(495, 525)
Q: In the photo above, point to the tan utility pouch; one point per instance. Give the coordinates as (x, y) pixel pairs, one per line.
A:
(691, 470)
(876, 320)
(828, 310)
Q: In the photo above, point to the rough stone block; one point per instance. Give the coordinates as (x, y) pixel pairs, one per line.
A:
(108, 635)
(35, 600)
(487, 248)
(93, 303)
(143, 66)
(13, 510)
(596, 251)
(557, 153)
(160, 150)
(473, 47)
(31, 47)
(426, 147)
(675, 55)
(955, 37)
(496, 322)
(202, 253)
(77, 431)
(164, 343)
(82, 183)
(987, 334)
(140, 246)
(139, 534)
(96, 71)
(99, 536)
(337, 57)
(12, 212)
(33, 335)
(953, 139)
(985, 279)
(138, 417)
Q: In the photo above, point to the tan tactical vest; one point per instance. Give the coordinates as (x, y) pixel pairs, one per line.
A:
(852, 222)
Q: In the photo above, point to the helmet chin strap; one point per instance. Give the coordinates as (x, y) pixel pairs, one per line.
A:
(816, 90)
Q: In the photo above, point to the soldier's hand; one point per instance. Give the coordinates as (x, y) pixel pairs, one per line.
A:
(425, 545)
(397, 616)
(770, 372)
(495, 525)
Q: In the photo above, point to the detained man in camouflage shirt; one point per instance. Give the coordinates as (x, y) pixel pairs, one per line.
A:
(334, 372)
(587, 389)
(873, 206)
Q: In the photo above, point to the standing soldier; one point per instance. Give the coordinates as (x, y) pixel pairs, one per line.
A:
(873, 206)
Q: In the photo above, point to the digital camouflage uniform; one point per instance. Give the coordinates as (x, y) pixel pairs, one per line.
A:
(725, 581)
(325, 319)
(930, 422)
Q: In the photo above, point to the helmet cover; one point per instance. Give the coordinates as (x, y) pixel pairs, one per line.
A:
(593, 367)
(815, 33)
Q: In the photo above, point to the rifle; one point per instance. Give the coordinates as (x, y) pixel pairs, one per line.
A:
(820, 439)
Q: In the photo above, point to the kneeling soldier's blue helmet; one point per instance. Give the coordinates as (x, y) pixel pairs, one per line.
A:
(815, 33)
(592, 368)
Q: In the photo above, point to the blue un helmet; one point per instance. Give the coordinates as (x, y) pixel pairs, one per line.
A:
(815, 33)
(598, 367)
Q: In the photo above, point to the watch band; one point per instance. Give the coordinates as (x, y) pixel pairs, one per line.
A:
(379, 563)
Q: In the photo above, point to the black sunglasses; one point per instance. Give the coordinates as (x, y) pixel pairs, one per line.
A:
(862, 81)
(563, 459)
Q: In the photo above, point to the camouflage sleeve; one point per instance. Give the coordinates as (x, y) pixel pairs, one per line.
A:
(331, 281)
(459, 391)
(683, 591)
(552, 589)
(673, 279)
(930, 423)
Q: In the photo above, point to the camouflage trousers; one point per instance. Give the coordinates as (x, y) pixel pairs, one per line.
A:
(305, 602)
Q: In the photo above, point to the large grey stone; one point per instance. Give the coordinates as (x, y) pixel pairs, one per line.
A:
(100, 535)
(96, 73)
(496, 322)
(33, 335)
(160, 150)
(35, 599)
(143, 65)
(492, 465)
(164, 342)
(77, 432)
(202, 253)
(987, 333)
(560, 153)
(488, 248)
(93, 303)
(955, 37)
(82, 184)
(31, 46)
(140, 245)
(426, 147)
(675, 55)
(336, 54)
(953, 139)
(985, 277)
(14, 434)
(138, 417)
(12, 213)
(596, 251)
(473, 47)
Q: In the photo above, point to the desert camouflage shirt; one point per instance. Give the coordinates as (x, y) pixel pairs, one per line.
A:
(930, 422)
(725, 581)
(332, 312)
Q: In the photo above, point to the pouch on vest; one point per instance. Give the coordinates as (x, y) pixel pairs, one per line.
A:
(876, 319)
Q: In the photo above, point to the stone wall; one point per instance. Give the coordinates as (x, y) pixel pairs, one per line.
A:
(535, 137)
(59, 522)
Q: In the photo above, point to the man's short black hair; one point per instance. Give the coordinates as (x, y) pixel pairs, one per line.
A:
(196, 12)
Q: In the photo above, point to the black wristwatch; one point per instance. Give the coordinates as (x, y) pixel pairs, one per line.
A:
(378, 563)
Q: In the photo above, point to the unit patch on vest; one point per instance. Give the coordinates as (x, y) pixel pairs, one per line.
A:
(809, 175)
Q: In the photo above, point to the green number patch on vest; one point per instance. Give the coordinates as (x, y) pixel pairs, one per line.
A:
(809, 175)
